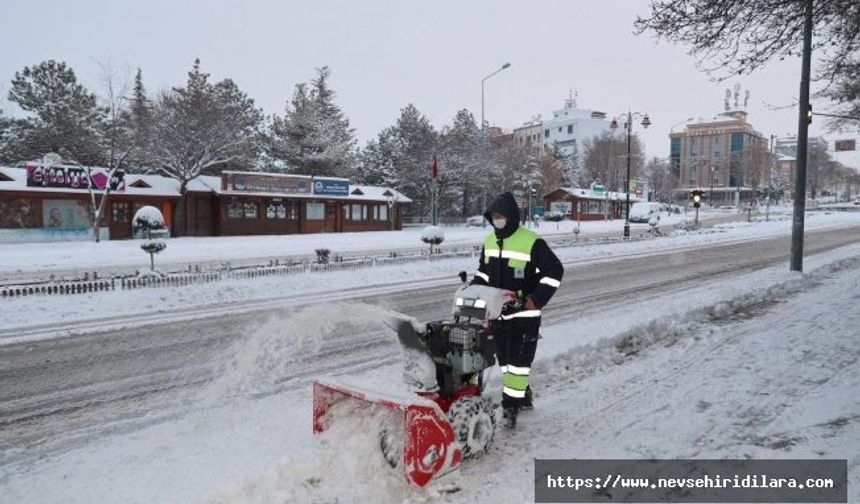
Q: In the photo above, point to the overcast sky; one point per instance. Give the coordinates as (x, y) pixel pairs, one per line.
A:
(387, 53)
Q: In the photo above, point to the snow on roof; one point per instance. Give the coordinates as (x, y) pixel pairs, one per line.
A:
(137, 184)
(356, 193)
(589, 194)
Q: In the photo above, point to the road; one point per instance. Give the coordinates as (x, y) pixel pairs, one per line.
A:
(56, 394)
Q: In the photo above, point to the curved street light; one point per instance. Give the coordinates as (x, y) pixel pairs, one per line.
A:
(483, 123)
(484, 127)
(628, 124)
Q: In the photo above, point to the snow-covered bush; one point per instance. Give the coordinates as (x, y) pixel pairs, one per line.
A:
(432, 235)
(149, 219)
(322, 255)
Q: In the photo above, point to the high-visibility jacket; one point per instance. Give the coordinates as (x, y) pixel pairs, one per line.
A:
(517, 259)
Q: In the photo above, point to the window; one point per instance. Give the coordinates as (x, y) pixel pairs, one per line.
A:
(121, 211)
(559, 129)
(251, 209)
(570, 129)
(546, 133)
(276, 209)
(234, 209)
(315, 210)
(382, 212)
(359, 212)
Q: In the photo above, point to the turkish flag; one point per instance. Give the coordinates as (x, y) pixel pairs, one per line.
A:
(434, 170)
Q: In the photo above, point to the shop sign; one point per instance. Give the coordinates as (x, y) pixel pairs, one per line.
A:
(262, 183)
(331, 187)
(73, 177)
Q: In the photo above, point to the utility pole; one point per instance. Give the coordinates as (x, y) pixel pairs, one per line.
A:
(804, 118)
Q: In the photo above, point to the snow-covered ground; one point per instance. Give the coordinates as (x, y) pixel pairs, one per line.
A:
(128, 308)
(762, 366)
(111, 256)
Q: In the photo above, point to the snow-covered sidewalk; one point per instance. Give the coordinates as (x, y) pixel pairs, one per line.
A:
(43, 259)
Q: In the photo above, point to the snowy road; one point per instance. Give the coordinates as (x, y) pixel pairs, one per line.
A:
(57, 395)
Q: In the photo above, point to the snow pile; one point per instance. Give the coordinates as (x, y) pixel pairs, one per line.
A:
(346, 466)
(280, 349)
(670, 328)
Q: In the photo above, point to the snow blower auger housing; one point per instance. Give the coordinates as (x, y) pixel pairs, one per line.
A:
(440, 416)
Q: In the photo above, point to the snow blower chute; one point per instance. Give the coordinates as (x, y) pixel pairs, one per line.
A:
(440, 416)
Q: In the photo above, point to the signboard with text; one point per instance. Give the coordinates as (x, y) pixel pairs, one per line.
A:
(73, 177)
(845, 145)
(331, 186)
(266, 183)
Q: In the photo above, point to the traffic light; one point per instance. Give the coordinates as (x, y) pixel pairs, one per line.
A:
(809, 114)
(696, 197)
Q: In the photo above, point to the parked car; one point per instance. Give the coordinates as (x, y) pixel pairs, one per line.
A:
(475, 221)
(642, 211)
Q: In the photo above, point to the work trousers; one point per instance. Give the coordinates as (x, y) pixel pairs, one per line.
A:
(516, 344)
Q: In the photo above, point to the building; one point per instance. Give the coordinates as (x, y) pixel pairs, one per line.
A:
(529, 136)
(571, 126)
(725, 157)
(46, 203)
(587, 204)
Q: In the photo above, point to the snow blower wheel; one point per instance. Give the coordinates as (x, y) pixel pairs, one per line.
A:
(474, 423)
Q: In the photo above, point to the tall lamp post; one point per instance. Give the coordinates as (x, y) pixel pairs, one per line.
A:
(484, 129)
(628, 117)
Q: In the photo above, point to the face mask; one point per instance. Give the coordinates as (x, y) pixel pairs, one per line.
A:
(500, 223)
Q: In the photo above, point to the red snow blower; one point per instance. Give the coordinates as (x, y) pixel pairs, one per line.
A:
(440, 417)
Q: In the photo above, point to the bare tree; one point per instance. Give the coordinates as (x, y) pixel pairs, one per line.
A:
(113, 142)
(659, 178)
(731, 37)
(606, 159)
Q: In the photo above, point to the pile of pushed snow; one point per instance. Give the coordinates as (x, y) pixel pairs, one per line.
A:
(345, 466)
(280, 347)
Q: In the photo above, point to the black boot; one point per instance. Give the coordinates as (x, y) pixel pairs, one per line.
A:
(526, 402)
(509, 416)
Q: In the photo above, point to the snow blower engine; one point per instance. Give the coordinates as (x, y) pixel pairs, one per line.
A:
(440, 416)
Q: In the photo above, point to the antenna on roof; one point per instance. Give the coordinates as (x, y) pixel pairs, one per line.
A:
(571, 100)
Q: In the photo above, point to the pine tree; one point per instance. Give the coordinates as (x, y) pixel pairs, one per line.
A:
(65, 116)
(416, 144)
(313, 137)
(461, 156)
(138, 121)
(378, 160)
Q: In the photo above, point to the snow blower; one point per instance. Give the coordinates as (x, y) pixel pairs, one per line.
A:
(440, 417)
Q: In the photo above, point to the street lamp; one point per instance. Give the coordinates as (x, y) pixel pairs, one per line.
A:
(629, 126)
(484, 130)
(483, 122)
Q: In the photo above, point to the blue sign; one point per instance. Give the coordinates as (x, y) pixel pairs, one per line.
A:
(331, 187)
(538, 210)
